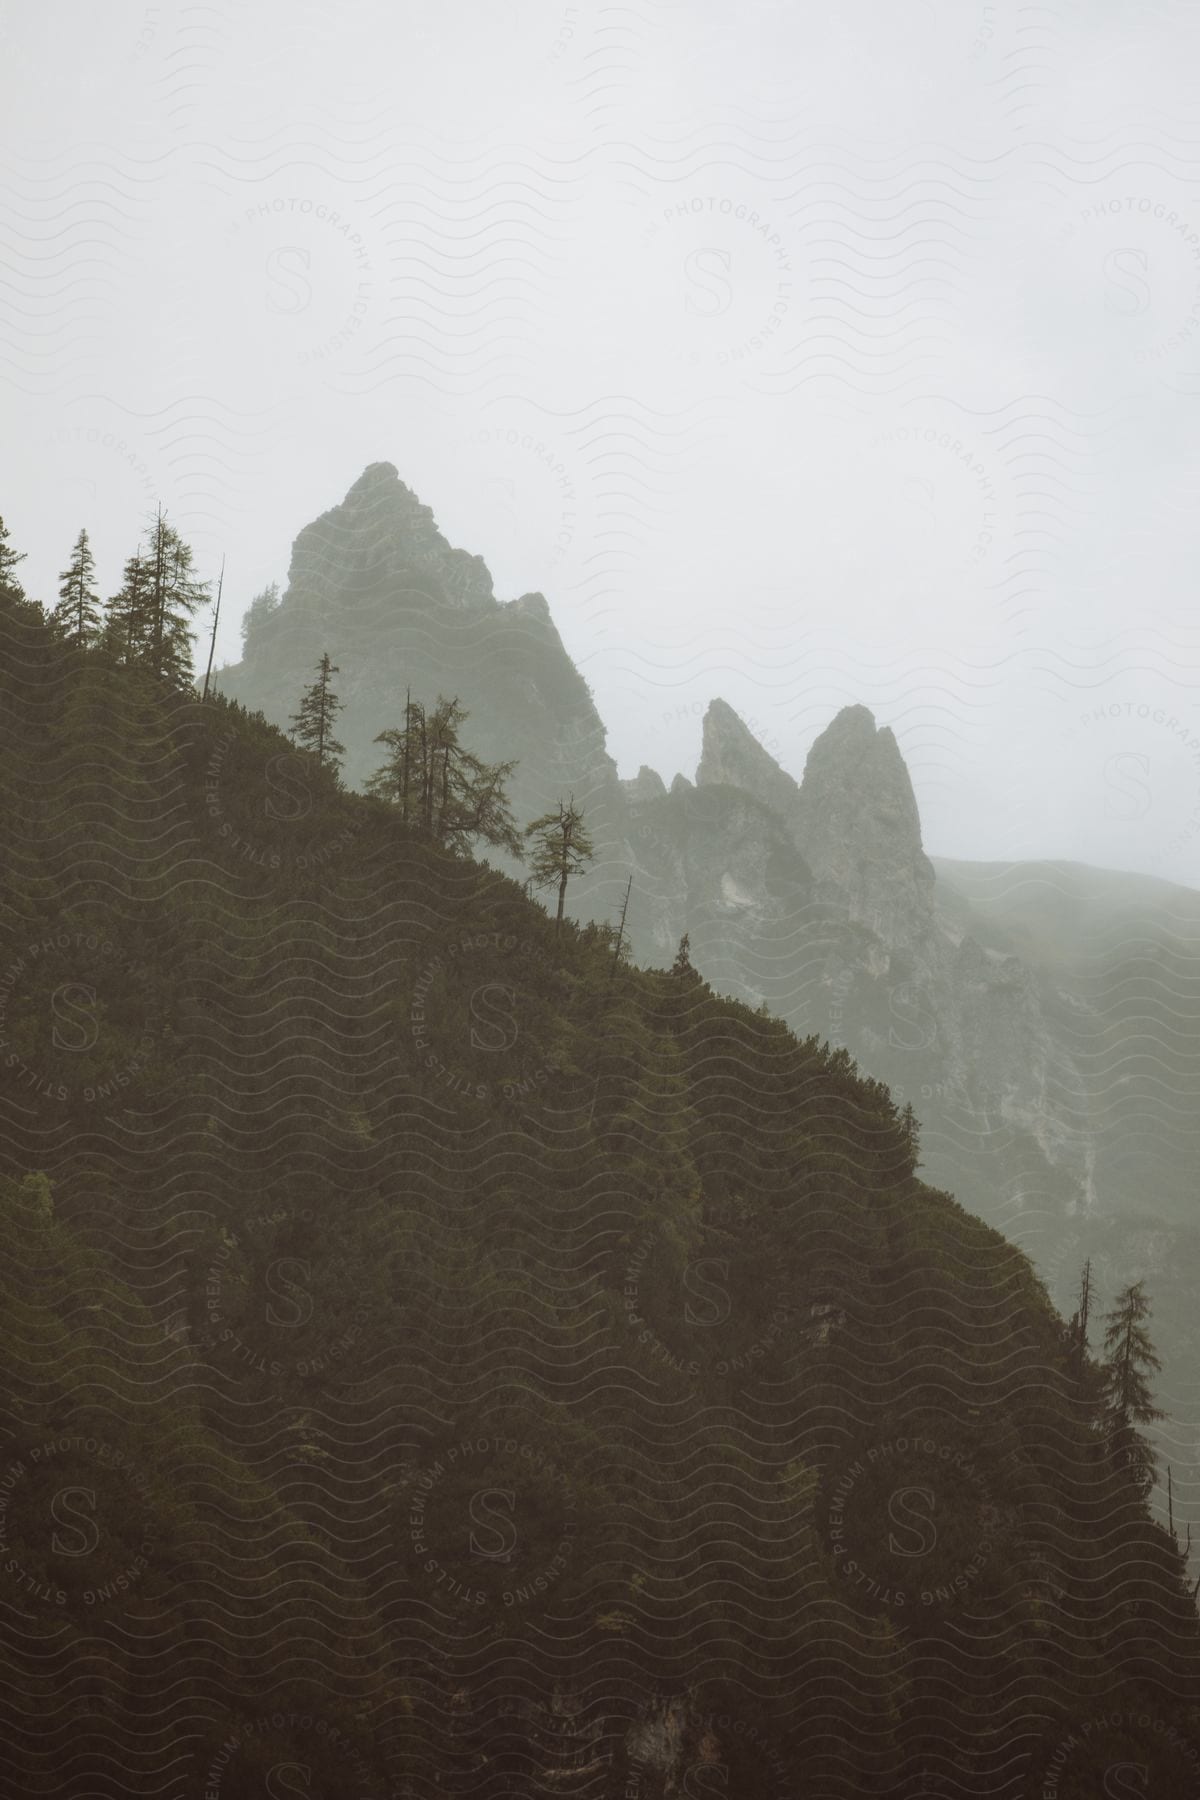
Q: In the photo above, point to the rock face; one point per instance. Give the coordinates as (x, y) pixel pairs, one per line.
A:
(731, 756)
(856, 816)
(374, 582)
(870, 958)
(381, 539)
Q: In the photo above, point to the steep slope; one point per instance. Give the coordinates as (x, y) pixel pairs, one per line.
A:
(1054, 1085)
(819, 898)
(532, 1361)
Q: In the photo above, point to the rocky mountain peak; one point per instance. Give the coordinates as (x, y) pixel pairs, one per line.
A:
(646, 785)
(856, 780)
(375, 475)
(400, 609)
(859, 828)
(380, 547)
(731, 756)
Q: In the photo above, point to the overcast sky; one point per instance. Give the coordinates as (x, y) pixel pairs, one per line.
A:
(799, 353)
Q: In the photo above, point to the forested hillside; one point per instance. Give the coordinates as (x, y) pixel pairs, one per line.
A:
(441, 1358)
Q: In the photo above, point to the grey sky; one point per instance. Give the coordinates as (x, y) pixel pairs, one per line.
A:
(799, 353)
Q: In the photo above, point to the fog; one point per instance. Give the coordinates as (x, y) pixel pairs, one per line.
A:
(799, 354)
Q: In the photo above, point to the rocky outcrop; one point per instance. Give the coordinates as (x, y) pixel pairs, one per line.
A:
(813, 895)
(1034, 1027)
(374, 582)
(872, 959)
(731, 756)
(856, 817)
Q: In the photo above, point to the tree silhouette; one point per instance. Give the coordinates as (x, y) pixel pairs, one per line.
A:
(126, 615)
(312, 726)
(1078, 1329)
(563, 848)
(10, 587)
(682, 966)
(436, 783)
(77, 616)
(1129, 1360)
(174, 595)
(148, 621)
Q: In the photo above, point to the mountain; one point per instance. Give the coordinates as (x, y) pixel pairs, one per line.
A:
(376, 583)
(1040, 1019)
(442, 1357)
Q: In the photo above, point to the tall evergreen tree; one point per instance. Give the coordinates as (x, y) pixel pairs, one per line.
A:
(77, 616)
(148, 621)
(10, 587)
(682, 966)
(396, 779)
(312, 726)
(440, 785)
(563, 848)
(1129, 1361)
(126, 617)
(175, 594)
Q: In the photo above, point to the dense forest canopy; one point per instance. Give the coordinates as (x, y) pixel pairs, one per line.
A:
(444, 1358)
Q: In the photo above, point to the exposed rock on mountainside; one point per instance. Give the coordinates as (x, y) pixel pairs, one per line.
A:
(814, 895)
(1041, 1029)
(374, 582)
(956, 1028)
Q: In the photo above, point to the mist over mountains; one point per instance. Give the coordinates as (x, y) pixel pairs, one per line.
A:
(599, 901)
(1043, 1019)
(443, 1356)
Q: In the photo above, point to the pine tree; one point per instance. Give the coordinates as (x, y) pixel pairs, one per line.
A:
(682, 966)
(10, 587)
(439, 785)
(148, 621)
(175, 595)
(395, 780)
(77, 616)
(1129, 1360)
(563, 848)
(126, 618)
(910, 1125)
(470, 796)
(312, 726)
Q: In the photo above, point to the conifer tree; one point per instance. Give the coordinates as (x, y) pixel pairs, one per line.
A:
(396, 779)
(1129, 1361)
(126, 616)
(439, 785)
(911, 1127)
(682, 966)
(77, 616)
(175, 594)
(10, 587)
(148, 621)
(312, 726)
(563, 847)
